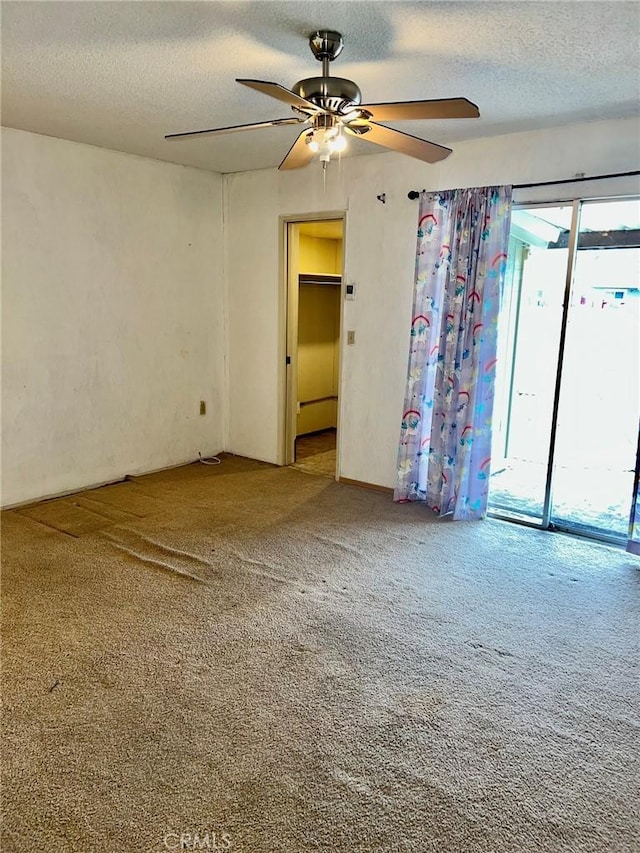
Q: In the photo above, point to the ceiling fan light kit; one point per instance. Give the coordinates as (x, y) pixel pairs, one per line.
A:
(330, 107)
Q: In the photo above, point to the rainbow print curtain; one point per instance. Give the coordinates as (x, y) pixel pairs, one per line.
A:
(445, 440)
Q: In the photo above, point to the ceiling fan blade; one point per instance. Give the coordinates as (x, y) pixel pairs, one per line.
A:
(402, 142)
(412, 110)
(256, 126)
(275, 90)
(299, 155)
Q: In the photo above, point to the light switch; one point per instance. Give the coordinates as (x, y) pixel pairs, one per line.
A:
(350, 291)
(351, 337)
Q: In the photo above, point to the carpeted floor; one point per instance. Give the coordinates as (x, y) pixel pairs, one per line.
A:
(295, 665)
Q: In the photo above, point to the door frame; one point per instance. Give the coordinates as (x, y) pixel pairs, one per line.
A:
(288, 347)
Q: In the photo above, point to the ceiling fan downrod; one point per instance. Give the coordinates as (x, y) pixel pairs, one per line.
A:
(326, 45)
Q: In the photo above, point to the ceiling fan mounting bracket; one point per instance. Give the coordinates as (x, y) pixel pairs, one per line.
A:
(326, 45)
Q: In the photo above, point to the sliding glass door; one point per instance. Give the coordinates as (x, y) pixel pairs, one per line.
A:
(600, 392)
(529, 335)
(568, 387)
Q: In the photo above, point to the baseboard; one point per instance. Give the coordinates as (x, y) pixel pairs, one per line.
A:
(127, 477)
(345, 481)
(362, 485)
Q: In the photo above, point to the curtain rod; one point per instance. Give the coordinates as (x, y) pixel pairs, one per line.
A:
(413, 194)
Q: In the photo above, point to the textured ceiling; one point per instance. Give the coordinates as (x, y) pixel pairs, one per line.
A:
(122, 74)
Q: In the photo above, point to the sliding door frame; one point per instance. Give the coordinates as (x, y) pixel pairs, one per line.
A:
(571, 259)
(545, 522)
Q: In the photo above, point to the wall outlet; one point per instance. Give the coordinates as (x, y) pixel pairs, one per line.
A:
(351, 337)
(203, 407)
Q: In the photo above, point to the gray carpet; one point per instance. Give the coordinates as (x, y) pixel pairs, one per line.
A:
(296, 665)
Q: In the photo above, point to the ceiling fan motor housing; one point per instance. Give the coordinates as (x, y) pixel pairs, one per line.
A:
(329, 93)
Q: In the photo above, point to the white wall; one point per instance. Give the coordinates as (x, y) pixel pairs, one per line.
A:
(113, 303)
(379, 256)
(112, 298)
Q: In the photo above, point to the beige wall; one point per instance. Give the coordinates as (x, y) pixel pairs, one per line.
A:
(112, 302)
(320, 255)
(318, 335)
(318, 354)
(380, 244)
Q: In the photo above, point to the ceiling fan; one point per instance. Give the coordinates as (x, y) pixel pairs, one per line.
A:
(330, 107)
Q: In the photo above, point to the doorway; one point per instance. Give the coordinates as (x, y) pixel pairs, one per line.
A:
(568, 386)
(314, 303)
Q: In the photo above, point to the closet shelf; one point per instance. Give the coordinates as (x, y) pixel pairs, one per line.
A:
(319, 278)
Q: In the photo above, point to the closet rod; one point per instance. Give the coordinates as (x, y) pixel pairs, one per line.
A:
(413, 194)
